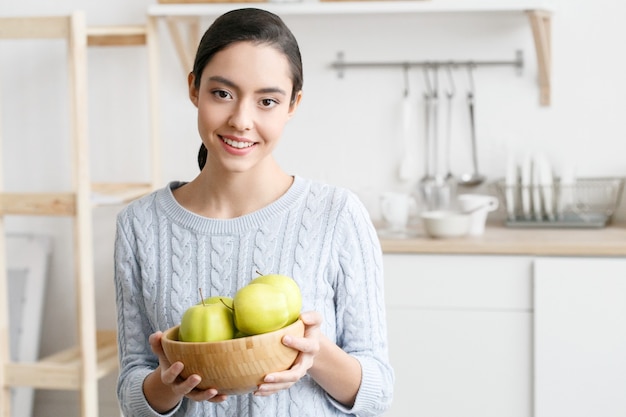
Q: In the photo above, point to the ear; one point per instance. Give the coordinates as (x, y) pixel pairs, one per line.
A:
(193, 91)
(295, 104)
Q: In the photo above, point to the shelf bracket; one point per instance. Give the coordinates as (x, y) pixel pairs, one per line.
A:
(186, 49)
(540, 22)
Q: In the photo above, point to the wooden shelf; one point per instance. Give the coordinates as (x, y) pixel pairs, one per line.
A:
(118, 193)
(116, 35)
(61, 371)
(354, 7)
(185, 18)
(64, 203)
(38, 204)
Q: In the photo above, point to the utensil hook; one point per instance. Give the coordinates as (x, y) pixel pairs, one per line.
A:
(470, 73)
(435, 85)
(451, 90)
(405, 68)
(429, 87)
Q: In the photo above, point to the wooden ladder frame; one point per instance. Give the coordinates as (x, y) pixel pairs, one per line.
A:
(80, 367)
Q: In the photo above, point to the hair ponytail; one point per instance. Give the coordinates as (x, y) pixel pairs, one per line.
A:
(202, 155)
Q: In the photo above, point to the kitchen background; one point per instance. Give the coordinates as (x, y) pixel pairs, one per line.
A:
(348, 129)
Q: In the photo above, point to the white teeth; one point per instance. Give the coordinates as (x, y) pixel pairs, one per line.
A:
(236, 144)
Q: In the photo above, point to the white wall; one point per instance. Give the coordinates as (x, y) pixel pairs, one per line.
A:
(347, 130)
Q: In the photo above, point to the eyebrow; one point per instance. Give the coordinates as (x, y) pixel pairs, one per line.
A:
(231, 84)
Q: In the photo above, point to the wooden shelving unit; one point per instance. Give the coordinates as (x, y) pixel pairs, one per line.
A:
(184, 18)
(95, 355)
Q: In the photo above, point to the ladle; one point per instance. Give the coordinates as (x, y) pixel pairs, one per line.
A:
(474, 178)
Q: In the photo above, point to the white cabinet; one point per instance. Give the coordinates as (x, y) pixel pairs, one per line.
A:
(460, 335)
(510, 336)
(580, 337)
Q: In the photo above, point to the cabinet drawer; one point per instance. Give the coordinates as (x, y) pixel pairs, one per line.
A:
(458, 281)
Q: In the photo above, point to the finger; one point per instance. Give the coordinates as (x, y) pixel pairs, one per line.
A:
(169, 375)
(311, 318)
(210, 394)
(218, 398)
(293, 374)
(265, 390)
(298, 343)
(155, 343)
(188, 386)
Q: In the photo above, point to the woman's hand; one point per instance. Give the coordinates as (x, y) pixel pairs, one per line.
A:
(179, 387)
(309, 347)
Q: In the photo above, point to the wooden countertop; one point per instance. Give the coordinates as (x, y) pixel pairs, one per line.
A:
(501, 240)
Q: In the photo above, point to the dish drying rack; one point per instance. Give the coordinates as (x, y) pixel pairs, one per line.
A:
(585, 203)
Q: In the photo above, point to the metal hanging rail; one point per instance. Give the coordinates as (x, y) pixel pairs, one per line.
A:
(340, 64)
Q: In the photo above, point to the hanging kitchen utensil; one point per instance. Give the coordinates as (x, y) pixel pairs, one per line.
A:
(449, 181)
(434, 103)
(450, 91)
(474, 178)
(441, 197)
(427, 183)
(406, 169)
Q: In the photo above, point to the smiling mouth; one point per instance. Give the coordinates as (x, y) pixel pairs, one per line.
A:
(236, 144)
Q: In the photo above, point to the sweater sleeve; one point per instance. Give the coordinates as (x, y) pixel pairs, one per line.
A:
(134, 329)
(360, 306)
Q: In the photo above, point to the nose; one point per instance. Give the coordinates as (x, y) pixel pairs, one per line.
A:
(242, 116)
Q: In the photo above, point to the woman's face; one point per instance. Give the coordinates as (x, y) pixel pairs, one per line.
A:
(243, 105)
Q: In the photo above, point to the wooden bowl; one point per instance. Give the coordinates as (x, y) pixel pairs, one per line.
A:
(235, 366)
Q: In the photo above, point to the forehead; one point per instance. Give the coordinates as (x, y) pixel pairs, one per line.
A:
(250, 62)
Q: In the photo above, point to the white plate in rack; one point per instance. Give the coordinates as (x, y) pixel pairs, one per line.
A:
(511, 183)
(536, 189)
(526, 183)
(546, 184)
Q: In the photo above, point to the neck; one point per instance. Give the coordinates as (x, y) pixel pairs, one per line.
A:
(233, 194)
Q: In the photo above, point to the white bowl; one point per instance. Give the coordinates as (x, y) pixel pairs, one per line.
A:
(442, 224)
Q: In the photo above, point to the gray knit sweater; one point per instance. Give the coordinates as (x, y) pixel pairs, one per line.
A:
(318, 234)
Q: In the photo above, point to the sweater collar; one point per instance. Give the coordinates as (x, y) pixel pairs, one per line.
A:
(189, 220)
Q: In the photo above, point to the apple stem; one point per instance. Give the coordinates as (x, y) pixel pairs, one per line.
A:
(260, 274)
(226, 305)
(201, 296)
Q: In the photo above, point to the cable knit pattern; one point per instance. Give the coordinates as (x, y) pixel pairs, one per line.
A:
(318, 234)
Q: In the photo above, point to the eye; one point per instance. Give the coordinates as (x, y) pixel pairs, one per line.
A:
(268, 103)
(222, 94)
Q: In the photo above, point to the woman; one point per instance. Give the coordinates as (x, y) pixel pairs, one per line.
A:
(241, 214)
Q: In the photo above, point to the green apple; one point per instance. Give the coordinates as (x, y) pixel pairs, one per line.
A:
(260, 308)
(207, 322)
(289, 287)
